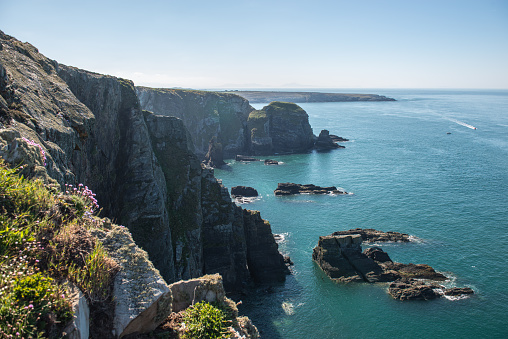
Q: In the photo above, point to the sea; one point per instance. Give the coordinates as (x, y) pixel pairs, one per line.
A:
(433, 164)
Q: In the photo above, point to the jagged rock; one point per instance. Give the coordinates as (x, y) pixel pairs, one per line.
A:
(377, 254)
(341, 258)
(280, 127)
(243, 191)
(417, 271)
(244, 158)
(325, 142)
(291, 188)
(208, 288)
(215, 157)
(265, 262)
(271, 162)
(372, 235)
(412, 289)
(458, 291)
(288, 261)
(329, 255)
(79, 328)
(142, 298)
(204, 114)
(336, 138)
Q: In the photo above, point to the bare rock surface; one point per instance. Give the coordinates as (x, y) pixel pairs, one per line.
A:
(243, 191)
(372, 235)
(340, 256)
(289, 188)
(142, 298)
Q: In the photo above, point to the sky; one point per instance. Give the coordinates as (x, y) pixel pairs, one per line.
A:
(274, 43)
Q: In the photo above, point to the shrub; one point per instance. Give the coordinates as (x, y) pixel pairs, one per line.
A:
(205, 321)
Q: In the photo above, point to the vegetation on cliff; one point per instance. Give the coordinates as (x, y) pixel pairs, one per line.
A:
(45, 241)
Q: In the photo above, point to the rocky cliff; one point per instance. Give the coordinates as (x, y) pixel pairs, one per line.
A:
(205, 114)
(73, 126)
(280, 127)
(231, 124)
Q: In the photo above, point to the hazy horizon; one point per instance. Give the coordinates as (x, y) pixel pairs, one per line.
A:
(274, 44)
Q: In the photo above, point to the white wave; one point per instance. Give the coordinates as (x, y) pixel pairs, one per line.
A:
(454, 298)
(288, 308)
(280, 237)
(417, 240)
(246, 200)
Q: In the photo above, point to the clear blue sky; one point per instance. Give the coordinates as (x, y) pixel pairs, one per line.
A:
(275, 43)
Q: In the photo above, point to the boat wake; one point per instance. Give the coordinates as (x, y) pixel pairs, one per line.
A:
(461, 123)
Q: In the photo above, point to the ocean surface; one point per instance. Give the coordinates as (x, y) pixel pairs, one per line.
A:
(409, 175)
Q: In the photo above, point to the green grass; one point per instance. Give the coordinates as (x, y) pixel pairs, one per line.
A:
(206, 321)
(44, 241)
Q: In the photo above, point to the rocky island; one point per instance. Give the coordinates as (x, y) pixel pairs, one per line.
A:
(340, 256)
(289, 188)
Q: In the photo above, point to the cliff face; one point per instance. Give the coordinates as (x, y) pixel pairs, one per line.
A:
(205, 114)
(90, 129)
(230, 121)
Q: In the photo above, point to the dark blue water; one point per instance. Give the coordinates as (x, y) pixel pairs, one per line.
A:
(407, 175)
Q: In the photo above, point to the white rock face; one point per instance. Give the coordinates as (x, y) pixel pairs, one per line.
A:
(79, 328)
(143, 299)
(208, 288)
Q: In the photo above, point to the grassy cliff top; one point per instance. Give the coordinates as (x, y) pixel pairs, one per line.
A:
(279, 106)
(45, 240)
(299, 97)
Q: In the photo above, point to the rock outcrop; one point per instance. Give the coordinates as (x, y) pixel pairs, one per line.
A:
(209, 288)
(370, 235)
(243, 191)
(141, 296)
(280, 127)
(289, 188)
(204, 114)
(215, 156)
(325, 141)
(413, 289)
(73, 126)
(342, 259)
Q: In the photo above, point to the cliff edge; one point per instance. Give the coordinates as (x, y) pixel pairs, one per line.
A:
(73, 126)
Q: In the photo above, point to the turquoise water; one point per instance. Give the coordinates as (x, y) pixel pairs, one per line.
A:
(407, 175)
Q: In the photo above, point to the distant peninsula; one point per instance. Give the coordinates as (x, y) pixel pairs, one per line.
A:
(299, 97)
